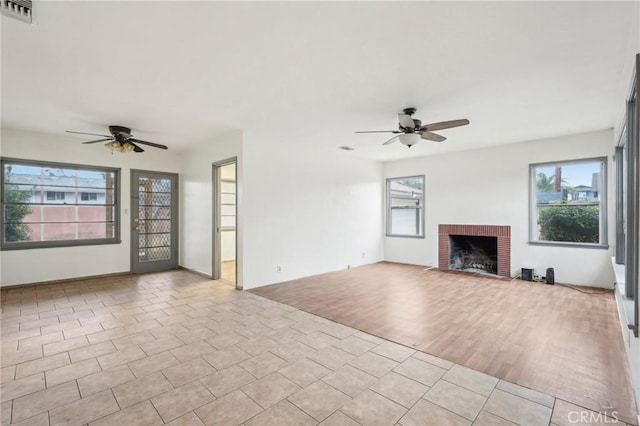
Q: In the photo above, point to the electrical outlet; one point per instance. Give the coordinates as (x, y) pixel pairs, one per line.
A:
(278, 268)
(348, 266)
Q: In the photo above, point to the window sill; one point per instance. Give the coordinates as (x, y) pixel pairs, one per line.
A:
(625, 303)
(572, 245)
(57, 244)
(405, 236)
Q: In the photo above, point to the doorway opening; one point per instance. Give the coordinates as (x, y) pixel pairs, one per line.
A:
(224, 221)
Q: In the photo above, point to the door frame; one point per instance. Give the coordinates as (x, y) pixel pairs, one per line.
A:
(216, 203)
(175, 227)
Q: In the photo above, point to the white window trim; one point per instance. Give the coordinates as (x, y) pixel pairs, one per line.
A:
(421, 208)
(603, 234)
(22, 245)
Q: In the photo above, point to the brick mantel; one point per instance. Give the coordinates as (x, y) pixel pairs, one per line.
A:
(502, 233)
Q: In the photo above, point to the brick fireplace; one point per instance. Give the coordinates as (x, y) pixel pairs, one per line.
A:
(501, 233)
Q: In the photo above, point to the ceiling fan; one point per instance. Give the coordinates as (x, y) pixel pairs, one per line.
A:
(121, 140)
(411, 130)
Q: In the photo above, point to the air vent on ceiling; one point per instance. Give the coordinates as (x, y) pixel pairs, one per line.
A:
(19, 9)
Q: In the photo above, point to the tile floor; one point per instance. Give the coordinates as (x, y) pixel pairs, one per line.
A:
(552, 339)
(174, 348)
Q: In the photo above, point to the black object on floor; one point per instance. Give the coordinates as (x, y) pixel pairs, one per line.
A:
(550, 276)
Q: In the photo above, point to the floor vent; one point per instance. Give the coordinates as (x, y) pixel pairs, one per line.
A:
(19, 9)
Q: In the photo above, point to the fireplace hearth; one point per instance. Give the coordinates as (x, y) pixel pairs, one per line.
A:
(475, 248)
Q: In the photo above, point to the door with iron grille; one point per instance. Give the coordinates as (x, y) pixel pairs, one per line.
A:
(154, 221)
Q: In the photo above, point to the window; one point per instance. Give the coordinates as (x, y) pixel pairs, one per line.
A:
(568, 202)
(632, 222)
(88, 196)
(627, 254)
(53, 196)
(42, 204)
(621, 168)
(405, 207)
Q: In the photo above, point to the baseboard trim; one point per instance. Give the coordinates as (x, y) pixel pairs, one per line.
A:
(65, 280)
(92, 277)
(193, 271)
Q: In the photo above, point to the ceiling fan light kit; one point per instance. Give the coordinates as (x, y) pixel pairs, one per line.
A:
(409, 139)
(120, 147)
(411, 130)
(120, 140)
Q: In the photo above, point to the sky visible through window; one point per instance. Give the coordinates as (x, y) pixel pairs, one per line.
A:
(34, 170)
(573, 174)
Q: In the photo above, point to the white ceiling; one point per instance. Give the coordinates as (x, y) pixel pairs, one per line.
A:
(180, 73)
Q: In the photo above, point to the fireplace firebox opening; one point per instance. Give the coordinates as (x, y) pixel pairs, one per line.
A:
(471, 253)
(502, 255)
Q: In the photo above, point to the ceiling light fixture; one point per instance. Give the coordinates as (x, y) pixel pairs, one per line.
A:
(123, 147)
(409, 139)
(346, 148)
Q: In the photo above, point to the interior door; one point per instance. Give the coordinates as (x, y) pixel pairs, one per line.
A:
(154, 221)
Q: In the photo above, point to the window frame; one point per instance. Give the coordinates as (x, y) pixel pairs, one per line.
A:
(55, 195)
(603, 216)
(620, 167)
(24, 245)
(90, 196)
(420, 208)
(632, 212)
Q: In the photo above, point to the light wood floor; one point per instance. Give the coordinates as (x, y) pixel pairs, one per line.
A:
(549, 338)
(228, 271)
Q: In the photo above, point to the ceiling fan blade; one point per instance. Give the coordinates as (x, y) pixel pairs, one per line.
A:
(155, 145)
(406, 121)
(136, 148)
(99, 140)
(393, 139)
(380, 131)
(92, 134)
(445, 125)
(432, 136)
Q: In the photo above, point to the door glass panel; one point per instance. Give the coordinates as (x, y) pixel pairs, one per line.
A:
(154, 219)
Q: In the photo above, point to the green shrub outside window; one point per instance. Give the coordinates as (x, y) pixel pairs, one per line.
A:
(569, 202)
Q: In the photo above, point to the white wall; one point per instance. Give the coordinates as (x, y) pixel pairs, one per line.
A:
(36, 265)
(307, 210)
(490, 186)
(196, 214)
(626, 70)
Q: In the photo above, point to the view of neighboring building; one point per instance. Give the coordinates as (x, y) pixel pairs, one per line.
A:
(585, 193)
(65, 205)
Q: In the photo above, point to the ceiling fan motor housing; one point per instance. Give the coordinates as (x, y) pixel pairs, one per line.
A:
(120, 133)
(416, 123)
(416, 126)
